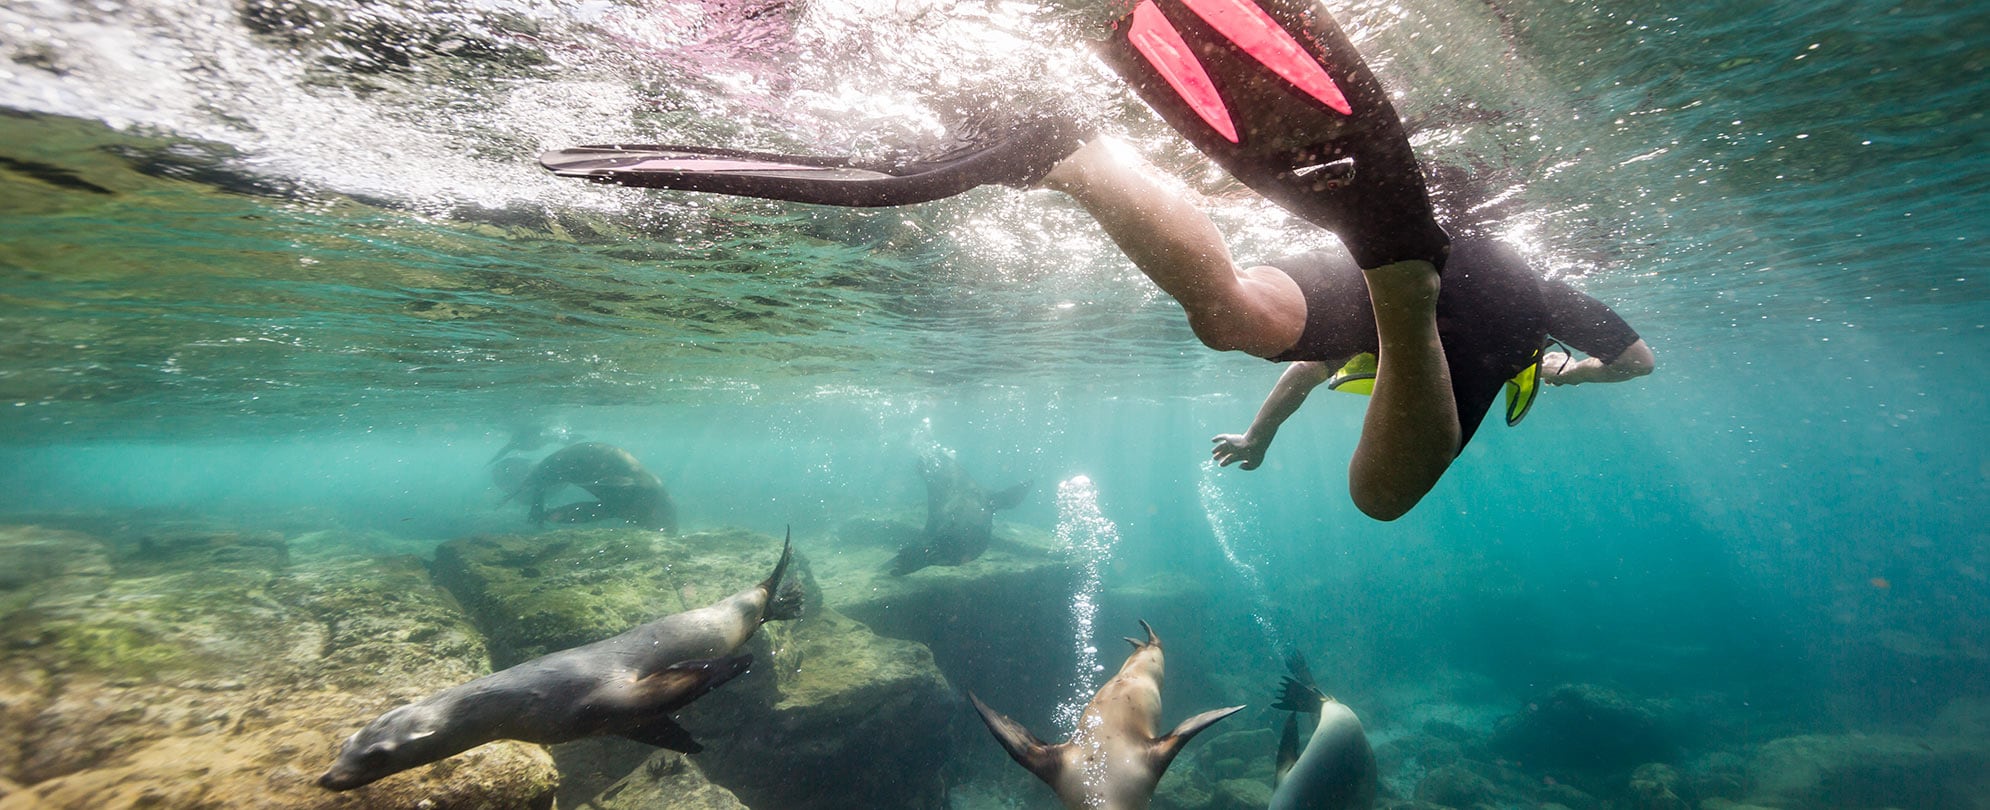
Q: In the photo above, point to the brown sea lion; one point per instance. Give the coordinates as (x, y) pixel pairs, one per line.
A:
(625, 686)
(960, 515)
(624, 490)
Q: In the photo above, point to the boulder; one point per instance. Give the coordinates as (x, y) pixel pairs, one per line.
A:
(1456, 786)
(1870, 771)
(985, 621)
(665, 779)
(826, 702)
(1584, 727)
(1241, 794)
(1656, 786)
(205, 671)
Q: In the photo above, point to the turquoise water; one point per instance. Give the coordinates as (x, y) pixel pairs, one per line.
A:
(290, 266)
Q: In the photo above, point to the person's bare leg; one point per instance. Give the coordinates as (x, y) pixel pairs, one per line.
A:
(1410, 433)
(1258, 310)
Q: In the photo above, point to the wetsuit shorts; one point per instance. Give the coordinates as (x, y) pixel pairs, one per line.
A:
(1493, 314)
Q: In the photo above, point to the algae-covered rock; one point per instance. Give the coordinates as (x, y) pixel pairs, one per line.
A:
(1656, 786)
(204, 674)
(1869, 771)
(1456, 786)
(832, 715)
(665, 779)
(1237, 754)
(48, 566)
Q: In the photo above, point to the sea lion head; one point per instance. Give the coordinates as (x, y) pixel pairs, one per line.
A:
(396, 741)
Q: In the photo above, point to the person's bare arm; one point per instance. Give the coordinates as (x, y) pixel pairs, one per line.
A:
(1247, 449)
(1635, 361)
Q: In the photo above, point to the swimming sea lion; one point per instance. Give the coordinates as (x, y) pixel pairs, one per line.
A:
(1114, 760)
(626, 490)
(1336, 771)
(960, 515)
(625, 686)
(528, 436)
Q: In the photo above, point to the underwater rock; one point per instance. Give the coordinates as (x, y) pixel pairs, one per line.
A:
(1586, 727)
(1568, 796)
(1725, 804)
(1964, 718)
(1245, 753)
(1717, 774)
(204, 674)
(1457, 786)
(827, 700)
(1869, 771)
(1241, 794)
(985, 622)
(666, 779)
(1656, 786)
(49, 565)
(1216, 772)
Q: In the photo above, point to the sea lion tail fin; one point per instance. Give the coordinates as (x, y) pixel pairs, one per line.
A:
(1011, 497)
(1152, 640)
(1034, 755)
(1298, 693)
(1295, 663)
(1166, 748)
(785, 594)
(1288, 749)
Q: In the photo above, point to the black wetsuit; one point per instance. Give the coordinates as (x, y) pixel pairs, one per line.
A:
(1493, 313)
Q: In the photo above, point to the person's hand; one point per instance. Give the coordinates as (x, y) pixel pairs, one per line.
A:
(1554, 365)
(1232, 448)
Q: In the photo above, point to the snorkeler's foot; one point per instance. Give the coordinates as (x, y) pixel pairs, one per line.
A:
(1029, 147)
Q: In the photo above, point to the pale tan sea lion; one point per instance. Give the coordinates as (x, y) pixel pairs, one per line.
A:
(1114, 760)
(625, 686)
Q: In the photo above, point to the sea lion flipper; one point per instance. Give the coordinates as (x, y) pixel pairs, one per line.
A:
(1288, 749)
(685, 681)
(785, 594)
(1023, 747)
(664, 732)
(1009, 498)
(1167, 747)
(1295, 696)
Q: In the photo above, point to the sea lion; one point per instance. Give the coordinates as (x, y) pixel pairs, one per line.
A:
(1336, 771)
(528, 436)
(625, 490)
(960, 515)
(1114, 760)
(625, 686)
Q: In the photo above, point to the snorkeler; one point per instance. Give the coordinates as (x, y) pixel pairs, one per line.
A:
(1275, 93)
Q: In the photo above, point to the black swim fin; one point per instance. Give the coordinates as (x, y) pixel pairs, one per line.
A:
(1276, 94)
(1017, 154)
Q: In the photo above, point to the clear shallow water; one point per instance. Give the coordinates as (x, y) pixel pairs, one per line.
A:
(302, 270)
